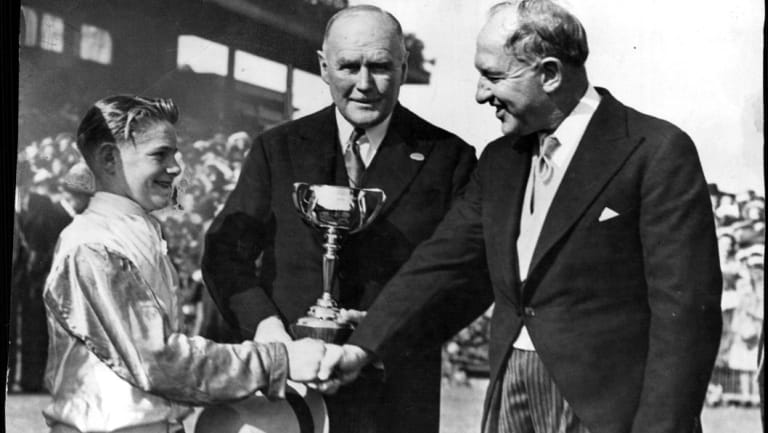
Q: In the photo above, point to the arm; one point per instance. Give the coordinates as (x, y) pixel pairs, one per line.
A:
(234, 241)
(684, 286)
(445, 278)
(100, 298)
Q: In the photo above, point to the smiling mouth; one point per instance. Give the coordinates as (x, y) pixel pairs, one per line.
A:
(365, 102)
(164, 184)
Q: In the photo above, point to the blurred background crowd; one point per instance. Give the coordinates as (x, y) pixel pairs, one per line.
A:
(53, 184)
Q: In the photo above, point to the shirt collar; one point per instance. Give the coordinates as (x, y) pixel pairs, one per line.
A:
(108, 203)
(374, 133)
(571, 129)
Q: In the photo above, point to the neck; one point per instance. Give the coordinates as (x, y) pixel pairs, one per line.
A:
(568, 96)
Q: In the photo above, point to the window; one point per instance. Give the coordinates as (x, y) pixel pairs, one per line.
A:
(260, 71)
(95, 44)
(201, 55)
(28, 33)
(52, 33)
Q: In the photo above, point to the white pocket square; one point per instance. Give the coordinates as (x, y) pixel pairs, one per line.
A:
(607, 214)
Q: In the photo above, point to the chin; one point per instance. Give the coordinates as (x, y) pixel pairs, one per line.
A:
(364, 117)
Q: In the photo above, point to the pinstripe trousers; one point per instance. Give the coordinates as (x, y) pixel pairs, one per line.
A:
(530, 400)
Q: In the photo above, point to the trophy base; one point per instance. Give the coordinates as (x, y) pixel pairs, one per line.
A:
(325, 330)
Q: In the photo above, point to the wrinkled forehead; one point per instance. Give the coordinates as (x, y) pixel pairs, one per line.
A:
(363, 56)
(364, 32)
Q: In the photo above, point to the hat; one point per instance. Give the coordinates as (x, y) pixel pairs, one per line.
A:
(79, 179)
(302, 411)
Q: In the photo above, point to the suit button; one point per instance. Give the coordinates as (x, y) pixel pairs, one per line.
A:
(529, 311)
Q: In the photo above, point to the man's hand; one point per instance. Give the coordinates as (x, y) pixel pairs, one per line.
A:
(351, 316)
(349, 361)
(271, 330)
(311, 360)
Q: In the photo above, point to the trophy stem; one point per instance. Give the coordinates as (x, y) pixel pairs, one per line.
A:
(332, 243)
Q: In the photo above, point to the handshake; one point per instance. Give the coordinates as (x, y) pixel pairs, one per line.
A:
(323, 366)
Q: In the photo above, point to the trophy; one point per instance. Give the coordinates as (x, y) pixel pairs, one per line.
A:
(337, 211)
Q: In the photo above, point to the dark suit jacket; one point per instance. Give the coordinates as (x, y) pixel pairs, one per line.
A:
(260, 217)
(624, 313)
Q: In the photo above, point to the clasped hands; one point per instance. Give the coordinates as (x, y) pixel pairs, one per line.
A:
(322, 366)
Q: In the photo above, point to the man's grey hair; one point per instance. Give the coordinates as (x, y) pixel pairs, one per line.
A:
(352, 10)
(543, 28)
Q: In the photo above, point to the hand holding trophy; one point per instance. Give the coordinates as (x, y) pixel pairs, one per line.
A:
(338, 211)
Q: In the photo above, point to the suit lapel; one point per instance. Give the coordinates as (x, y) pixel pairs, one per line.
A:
(399, 158)
(602, 151)
(313, 149)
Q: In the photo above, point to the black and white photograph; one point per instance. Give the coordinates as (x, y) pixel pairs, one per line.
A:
(386, 216)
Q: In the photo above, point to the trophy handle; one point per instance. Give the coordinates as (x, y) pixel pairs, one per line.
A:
(301, 199)
(366, 219)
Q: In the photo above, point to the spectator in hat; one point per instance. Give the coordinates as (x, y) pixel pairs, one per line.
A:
(727, 211)
(746, 324)
(76, 187)
(754, 210)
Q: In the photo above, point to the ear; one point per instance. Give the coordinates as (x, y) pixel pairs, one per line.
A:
(552, 74)
(323, 65)
(405, 67)
(107, 157)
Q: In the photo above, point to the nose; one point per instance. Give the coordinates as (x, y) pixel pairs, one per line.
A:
(174, 168)
(364, 79)
(483, 93)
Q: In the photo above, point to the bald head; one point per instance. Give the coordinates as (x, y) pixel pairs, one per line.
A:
(382, 25)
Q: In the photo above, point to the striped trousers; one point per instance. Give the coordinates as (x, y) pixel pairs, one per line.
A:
(530, 401)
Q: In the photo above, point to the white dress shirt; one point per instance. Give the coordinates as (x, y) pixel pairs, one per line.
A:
(375, 135)
(569, 134)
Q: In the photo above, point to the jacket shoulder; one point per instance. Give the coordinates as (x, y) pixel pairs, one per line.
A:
(307, 125)
(413, 125)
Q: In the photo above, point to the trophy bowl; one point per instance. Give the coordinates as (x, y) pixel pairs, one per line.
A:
(336, 211)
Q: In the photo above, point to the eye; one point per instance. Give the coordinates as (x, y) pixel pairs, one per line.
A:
(380, 67)
(349, 66)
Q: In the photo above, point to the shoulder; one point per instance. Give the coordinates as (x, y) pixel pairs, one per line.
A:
(306, 126)
(411, 125)
(655, 134)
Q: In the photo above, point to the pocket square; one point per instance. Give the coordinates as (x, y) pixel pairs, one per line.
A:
(607, 214)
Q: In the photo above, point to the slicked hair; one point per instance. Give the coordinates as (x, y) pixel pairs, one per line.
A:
(543, 28)
(115, 119)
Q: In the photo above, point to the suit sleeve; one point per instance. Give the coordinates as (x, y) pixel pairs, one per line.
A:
(442, 287)
(684, 286)
(233, 243)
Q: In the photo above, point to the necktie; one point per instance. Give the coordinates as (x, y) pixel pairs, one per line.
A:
(352, 159)
(543, 167)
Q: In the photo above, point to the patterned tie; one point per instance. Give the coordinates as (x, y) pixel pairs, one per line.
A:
(352, 159)
(543, 168)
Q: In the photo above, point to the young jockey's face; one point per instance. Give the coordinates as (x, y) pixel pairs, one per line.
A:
(150, 166)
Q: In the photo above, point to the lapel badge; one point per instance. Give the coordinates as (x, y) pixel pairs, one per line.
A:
(416, 156)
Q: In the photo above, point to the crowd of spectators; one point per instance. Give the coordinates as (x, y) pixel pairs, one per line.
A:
(740, 221)
(211, 168)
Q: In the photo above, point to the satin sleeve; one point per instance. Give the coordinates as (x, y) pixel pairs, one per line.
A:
(100, 298)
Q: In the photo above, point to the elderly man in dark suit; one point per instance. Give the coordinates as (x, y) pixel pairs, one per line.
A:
(595, 224)
(366, 139)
